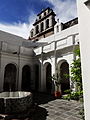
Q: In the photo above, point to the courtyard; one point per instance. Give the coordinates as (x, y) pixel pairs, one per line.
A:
(46, 107)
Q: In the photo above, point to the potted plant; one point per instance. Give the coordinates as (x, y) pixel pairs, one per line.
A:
(57, 82)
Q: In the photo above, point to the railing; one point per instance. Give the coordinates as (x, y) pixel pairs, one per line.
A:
(59, 44)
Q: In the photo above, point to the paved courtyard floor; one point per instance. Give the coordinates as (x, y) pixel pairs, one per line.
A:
(62, 110)
(48, 108)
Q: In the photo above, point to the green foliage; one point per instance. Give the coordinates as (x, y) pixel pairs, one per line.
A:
(77, 51)
(68, 91)
(73, 95)
(76, 95)
(76, 75)
(66, 97)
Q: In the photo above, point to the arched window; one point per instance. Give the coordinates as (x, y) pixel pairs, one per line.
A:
(31, 33)
(44, 13)
(47, 23)
(57, 28)
(47, 77)
(42, 26)
(10, 77)
(64, 73)
(26, 78)
(40, 17)
(37, 29)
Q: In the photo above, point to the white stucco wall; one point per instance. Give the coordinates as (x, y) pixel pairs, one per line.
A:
(84, 31)
(60, 35)
(63, 42)
(19, 62)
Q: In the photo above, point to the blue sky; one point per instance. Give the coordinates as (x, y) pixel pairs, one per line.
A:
(17, 16)
(15, 11)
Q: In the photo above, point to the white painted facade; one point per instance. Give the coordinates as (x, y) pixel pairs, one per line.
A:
(52, 51)
(58, 48)
(84, 31)
(12, 52)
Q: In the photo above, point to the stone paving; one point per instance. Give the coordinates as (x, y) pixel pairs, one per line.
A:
(48, 108)
(62, 110)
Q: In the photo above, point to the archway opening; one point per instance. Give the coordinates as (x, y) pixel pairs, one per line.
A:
(36, 77)
(10, 78)
(26, 78)
(64, 73)
(48, 78)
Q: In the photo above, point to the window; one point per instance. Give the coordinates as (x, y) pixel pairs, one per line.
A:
(40, 17)
(44, 13)
(42, 26)
(37, 29)
(47, 23)
(31, 33)
(57, 28)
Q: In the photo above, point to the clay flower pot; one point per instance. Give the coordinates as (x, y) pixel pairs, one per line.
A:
(57, 94)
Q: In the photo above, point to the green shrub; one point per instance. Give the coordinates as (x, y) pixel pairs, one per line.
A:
(67, 91)
(66, 97)
(73, 96)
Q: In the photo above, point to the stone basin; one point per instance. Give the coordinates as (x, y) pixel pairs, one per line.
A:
(15, 102)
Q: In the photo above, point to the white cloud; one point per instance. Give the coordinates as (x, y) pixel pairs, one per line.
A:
(65, 10)
(19, 29)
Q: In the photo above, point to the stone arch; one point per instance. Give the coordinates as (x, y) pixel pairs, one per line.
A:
(10, 74)
(63, 67)
(47, 75)
(36, 67)
(26, 78)
(60, 62)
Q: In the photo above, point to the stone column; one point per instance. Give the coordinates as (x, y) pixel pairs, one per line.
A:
(54, 67)
(1, 78)
(35, 29)
(20, 79)
(50, 21)
(44, 24)
(39, 25)
(42, 87)
(2, 70)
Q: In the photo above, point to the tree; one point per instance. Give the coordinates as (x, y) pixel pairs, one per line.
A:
(76, 75)
(57, 80)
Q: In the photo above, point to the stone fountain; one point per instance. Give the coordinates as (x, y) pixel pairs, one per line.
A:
(15, 102)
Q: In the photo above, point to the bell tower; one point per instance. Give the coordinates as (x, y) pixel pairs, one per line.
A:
(43, 25)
